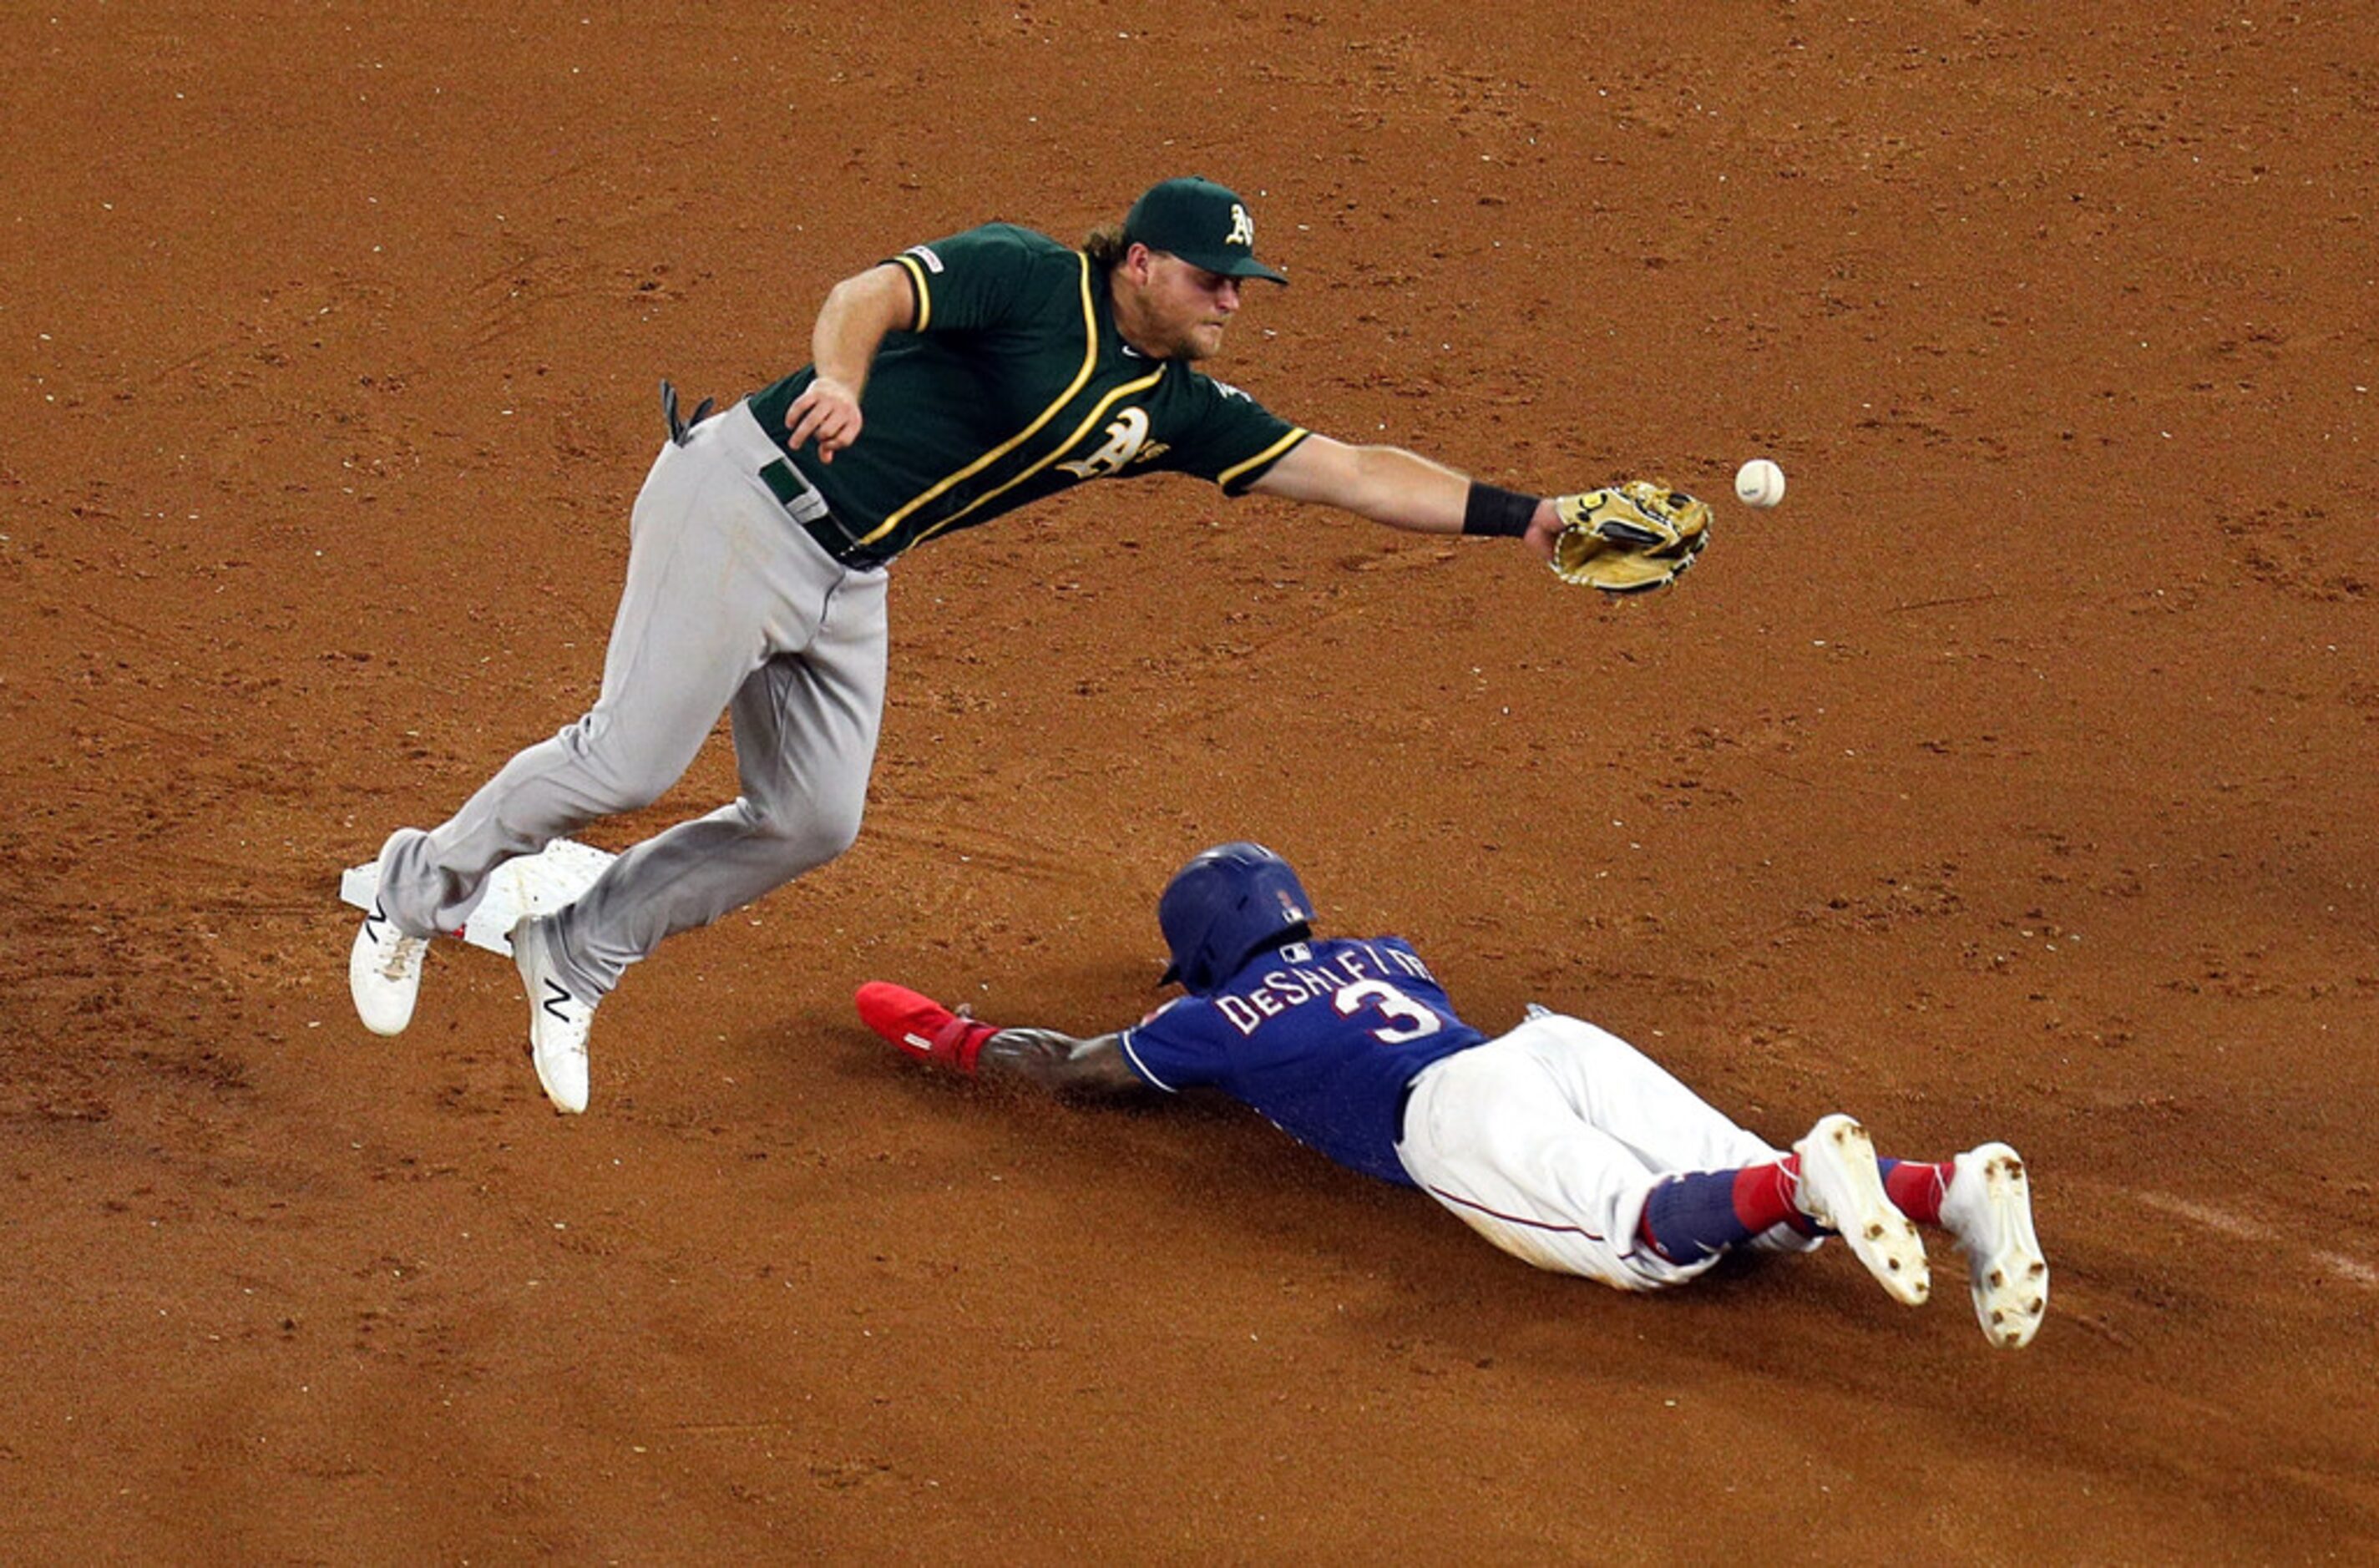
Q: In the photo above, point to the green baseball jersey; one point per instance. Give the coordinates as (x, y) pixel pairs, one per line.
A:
(1013, 385)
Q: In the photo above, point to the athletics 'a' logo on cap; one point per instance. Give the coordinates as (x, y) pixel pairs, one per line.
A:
(1243, 228)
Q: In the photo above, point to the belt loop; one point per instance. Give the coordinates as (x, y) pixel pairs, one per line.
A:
(784, 484)
(805, 506)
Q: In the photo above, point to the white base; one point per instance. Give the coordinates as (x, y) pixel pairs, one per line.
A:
(537, 884)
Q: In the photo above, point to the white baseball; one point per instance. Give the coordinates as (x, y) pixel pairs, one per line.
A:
(1759, 483)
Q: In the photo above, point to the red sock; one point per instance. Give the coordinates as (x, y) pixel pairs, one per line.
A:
(1915, 1187)
(1763, 1197)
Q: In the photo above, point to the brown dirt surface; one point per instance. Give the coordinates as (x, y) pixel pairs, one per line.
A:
(2013, 780)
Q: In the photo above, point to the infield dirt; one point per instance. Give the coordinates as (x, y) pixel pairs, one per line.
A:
(1999, 784)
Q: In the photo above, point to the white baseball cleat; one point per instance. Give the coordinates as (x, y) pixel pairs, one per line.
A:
(558, 1021)
(1988, 1206)
(384, 973)
(1842, 1189)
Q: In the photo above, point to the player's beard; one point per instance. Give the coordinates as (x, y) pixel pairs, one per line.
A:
(1201, 340)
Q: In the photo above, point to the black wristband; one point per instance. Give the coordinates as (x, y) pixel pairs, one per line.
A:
(1500, 513)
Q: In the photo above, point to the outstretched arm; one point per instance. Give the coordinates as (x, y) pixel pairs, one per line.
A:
(1404, 490)
(1060, 1064)
(859, 313)
(1037, 1058)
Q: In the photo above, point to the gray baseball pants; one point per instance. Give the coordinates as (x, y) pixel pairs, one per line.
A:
(728, 604)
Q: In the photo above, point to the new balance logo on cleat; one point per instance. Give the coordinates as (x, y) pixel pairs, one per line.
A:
(384, 973)
(558, 1021)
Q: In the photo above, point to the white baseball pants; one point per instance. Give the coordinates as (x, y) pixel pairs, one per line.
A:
(1547, 1141)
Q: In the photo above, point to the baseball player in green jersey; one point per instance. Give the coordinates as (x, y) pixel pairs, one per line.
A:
(949, 385)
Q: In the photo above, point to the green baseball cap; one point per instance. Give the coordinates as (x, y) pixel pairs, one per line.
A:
(1202, 222)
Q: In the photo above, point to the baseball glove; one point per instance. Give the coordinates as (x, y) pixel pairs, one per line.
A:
(1630, 538)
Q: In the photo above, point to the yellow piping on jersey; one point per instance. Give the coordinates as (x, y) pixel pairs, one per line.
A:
(1266, 455)
(1092, 417)
(917, 282)
(1090, 362)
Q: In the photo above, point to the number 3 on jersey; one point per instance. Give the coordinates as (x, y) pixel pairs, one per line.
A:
(1406, 1020)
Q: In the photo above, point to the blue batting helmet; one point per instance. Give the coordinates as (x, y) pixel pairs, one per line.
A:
(1223, 906)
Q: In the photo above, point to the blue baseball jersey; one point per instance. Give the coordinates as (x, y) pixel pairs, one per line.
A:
(1322, 1037)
